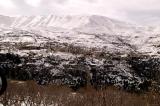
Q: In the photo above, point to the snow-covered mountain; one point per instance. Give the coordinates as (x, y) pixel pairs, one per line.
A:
(89, 31)
(82, 23)
(64, 49)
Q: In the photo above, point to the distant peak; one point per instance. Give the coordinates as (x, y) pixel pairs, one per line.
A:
(88, 22)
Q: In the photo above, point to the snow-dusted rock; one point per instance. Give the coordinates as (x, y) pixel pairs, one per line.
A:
(77, 50)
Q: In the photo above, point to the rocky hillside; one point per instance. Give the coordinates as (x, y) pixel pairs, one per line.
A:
(132, 73)
(86, 31)
(80, 51)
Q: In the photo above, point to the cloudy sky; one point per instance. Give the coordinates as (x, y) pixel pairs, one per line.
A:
(138, 11)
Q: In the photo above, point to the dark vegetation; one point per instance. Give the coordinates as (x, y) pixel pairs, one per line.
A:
(134, 74)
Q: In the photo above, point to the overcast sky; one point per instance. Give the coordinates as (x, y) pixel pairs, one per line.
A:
(138, 11)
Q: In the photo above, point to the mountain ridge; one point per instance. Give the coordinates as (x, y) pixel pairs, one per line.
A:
(109, 52)
(86, 31)
(52, 20)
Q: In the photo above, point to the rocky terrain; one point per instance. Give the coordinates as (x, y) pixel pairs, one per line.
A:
(80, 50)
(132, 73)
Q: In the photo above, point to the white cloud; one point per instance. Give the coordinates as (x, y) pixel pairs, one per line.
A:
(6, 4)
(34, 3)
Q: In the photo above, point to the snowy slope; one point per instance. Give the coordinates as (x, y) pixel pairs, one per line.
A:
(50, 45)
(67, 22)
(90, 22)
(87, 31)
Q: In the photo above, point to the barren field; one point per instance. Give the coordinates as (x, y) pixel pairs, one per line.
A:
(30, 94)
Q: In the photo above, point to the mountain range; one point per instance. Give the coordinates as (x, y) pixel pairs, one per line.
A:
(80, 49)
(89, 31)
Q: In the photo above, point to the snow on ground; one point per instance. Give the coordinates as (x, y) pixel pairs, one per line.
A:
(89, 31)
